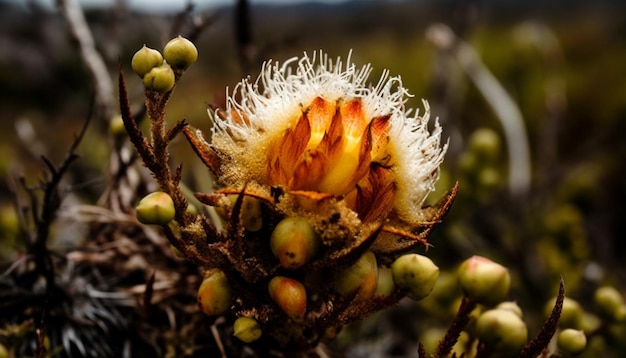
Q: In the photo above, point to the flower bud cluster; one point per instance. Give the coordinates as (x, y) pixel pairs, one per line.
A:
(479, 163)
(159, 71)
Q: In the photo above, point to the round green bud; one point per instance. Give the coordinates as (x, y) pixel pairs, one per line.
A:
(160, 79)
(610, 303)
(180, 53)
(361, 276)
(294, 242)
(501, 329)
(485, 143)
(415, 274)
(155, 209)
(214, 294)
(484, 281)
(116, 126)
(571, 341)
(145, 60)
(571, 312)
(247, 329)
(511, 306)
(289, 295)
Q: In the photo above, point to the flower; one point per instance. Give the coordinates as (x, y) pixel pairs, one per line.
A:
(316, 126)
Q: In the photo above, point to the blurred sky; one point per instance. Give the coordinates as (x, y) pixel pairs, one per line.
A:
(160, 5)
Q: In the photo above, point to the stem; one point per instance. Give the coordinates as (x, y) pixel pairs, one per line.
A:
(454, 331)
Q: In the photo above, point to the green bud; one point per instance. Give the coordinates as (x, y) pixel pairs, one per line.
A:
(155, 209)
(160, 79)
(502, 329)
(571, 313)
(610, 303)
(415, 274)
(294, 242)
(571, 341)
(511, 306)
(484, 281)
(289, 295)
(214, 294)
(180, 53)
(247, 329)
(385, 284)
(145, 60)
(485, 143)
(361, 276)
(116, 126)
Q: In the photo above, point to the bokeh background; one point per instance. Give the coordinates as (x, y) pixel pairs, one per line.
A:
(560, 64)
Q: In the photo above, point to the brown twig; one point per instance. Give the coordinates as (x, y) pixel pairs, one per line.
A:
(454, 331)
(542, 339)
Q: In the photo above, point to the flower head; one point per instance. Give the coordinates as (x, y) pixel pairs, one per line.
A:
(315, 125)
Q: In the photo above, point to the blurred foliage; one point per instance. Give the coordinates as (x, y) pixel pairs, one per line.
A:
(571, 92)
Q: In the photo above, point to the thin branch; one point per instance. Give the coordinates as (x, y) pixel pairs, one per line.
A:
(96, 66)
(505, 109)
(542, 339)
(454, 331)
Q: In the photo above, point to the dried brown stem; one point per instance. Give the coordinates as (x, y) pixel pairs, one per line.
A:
(542, 339)
(454, 331)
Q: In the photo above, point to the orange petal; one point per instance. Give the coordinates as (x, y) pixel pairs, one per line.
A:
(309, 171)
(375, 194)
(284, 152)
(354, 120)
(320, 114)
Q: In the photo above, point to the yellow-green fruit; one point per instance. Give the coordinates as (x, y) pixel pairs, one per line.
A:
(247, 329)
(145, 60)
(214, 294)
(501, 329)
(610, 303)
(155, 209)
(160, 79)
(294, 242)
(415, 274)
(484, 281)
(289, 295)
(511, 306)
(571, 341)
(4, 352)
(116, 126)
(180, 53)
(571, 313)
(485, 143)
(361, 276)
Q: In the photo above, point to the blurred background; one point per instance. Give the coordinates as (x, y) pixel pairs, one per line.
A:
(531, 95)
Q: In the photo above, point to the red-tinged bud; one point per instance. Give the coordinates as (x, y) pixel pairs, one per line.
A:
(145, 60)
(180, 53)
(155, 209)
(502, 329)
(214, 294)
(160, 79)
(294, 242)
(361, 276)
(247, 329)
(571, 341)
(289, 295)
(484, 281)
(415, 274)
